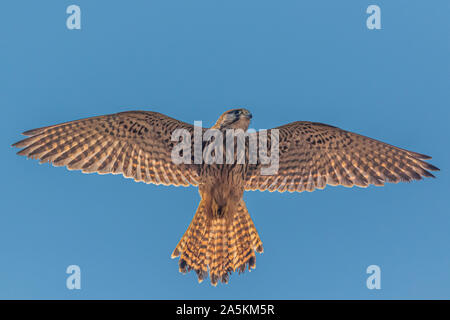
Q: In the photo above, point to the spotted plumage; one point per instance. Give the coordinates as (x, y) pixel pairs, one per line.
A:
(313, 155)
(221, 238)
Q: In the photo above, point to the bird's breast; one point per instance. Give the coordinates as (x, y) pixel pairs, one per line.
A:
(222, 187)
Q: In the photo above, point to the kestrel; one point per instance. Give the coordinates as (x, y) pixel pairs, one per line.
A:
(221, 238)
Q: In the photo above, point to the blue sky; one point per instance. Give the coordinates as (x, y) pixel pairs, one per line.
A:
(192, 60)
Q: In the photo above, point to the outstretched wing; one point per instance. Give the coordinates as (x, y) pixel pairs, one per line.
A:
(136, 144)
(312, 155)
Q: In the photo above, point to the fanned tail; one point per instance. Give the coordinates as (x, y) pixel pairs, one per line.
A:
(219, 245)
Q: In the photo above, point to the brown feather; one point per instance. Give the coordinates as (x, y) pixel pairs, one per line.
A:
(113, 144)
(314, 154)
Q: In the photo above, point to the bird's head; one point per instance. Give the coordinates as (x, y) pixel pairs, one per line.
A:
(234, 119)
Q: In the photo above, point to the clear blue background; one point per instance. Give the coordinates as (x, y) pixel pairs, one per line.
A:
(283, 60)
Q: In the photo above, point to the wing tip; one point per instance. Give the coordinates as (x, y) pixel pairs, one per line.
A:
(432, 168)
(420, 156)
(20, 144)
(32, 132)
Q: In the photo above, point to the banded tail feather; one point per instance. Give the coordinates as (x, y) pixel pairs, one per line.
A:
(219, 246)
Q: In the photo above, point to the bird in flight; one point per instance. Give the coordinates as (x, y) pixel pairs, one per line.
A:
(221, 237)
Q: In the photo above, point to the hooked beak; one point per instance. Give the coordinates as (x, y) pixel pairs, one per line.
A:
(248, 115)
